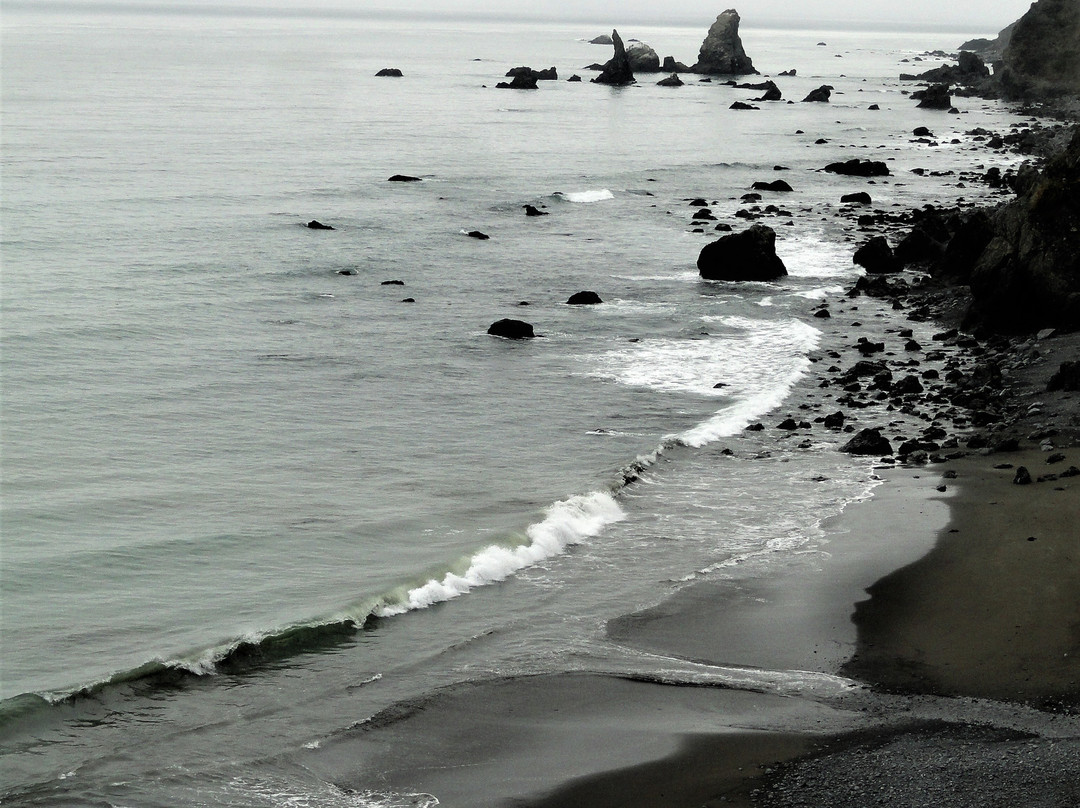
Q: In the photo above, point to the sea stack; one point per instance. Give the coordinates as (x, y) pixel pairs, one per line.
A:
(1042, 59)
(722, 51)
(617, 71)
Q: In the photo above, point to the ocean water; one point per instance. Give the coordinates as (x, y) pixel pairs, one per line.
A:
(250, 496)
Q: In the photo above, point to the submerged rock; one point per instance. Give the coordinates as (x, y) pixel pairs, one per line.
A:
(722, 50)
(403, 178)
(746, 256)
(531, 210)
(315, 224)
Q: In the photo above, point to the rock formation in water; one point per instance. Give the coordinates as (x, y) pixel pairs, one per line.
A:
(746, 256)
(969, 70)
(859, 168)
(511, 329)
(389, 72)
(643, 59)
(584, 299)
(522, 81)
(671, 81)
(821, 95)
(722, 51)
(617, 71)
(991, 50)
(936, 96)
(549, 74)
(1042, 59)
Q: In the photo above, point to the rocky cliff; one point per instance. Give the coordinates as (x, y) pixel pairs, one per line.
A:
(1028, 275)
(1042, 59)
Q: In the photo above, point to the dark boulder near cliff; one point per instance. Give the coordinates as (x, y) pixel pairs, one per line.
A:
(617, 70)
(722, 51)
(746, 256)
(936, 96)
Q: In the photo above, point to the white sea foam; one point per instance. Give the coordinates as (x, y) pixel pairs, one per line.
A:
(598, 195)
(566, 523)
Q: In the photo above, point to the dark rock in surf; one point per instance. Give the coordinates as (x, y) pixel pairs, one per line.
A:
(860, 198)
(584, 299)
(742, 105)
(876, 257)
(746, 256)
(859, 168)
(868, 442)
(778, 186)
(550, 74)
(391, 72)
(936, 96)
(671, 81)
(603, 39)
(511, 329)
(403, 178)
(531, 210)
(392, 283)
(315, 224)
(478, 235)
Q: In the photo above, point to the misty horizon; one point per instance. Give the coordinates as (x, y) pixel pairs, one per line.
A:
(822, 15)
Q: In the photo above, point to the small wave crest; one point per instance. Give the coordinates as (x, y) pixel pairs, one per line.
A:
(566, 523)
(598, 195)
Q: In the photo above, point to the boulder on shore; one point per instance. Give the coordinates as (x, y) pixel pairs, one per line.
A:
(868, 442)
(722, 50)
(511, 329)
(876, 257)
(616, 71)
(746, 256)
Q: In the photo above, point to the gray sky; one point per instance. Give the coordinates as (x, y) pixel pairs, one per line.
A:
(989, 15)
(975, 16)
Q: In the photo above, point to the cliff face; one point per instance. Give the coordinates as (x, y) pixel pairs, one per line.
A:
(1028, 276)
(1042, 59)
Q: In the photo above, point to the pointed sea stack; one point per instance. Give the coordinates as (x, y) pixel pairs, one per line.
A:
(617, 71)
(722, 51)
